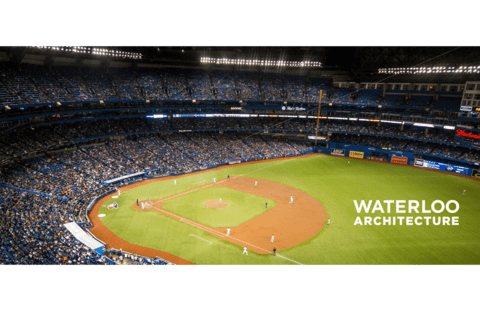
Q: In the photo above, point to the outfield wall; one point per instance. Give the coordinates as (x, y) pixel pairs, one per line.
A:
(399, 157)
(363, 152)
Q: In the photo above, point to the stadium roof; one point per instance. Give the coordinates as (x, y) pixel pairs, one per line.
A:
(361, 63)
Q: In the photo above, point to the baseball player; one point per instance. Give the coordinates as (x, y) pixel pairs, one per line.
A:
(245, 251)
(220, 200)
(274, 251)
(348, 162)
(328, 222)
(137, 202)
(214, 180)
(255, 183)
(291, 199)
(175, 182)
(118, 191)
(266, 205)
(228, 177)
(228, 231)
(143, 206)
(148, 201)
(464, 192)
(271, 240)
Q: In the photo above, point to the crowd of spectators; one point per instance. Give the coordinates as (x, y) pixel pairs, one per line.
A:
(173, 151)
(33, 84)
(32, 232)
(38, 196)
(54, 187)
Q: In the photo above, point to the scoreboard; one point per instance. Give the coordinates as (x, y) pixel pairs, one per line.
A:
(443, 167)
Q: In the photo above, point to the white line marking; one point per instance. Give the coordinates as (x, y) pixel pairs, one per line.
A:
(218, 182)
(199, 182)
(213, 231)
(200, 238)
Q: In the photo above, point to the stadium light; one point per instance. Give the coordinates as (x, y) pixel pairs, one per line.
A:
(93, 51)
(423, 125)
(435, 69)
(257, 62)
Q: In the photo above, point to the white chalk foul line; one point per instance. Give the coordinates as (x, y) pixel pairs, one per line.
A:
(200, 238)
(213, 231)
(209, 230)
(199, 182)
(218, 182)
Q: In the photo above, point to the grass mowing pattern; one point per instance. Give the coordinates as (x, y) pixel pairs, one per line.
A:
(335, 184)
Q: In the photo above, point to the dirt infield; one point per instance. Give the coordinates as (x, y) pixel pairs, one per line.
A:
(290, 223)
(215, 204)
(236, 236)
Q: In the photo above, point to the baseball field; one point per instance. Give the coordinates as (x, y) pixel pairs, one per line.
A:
(186, 222)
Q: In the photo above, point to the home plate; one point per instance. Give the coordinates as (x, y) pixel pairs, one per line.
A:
(102, 215)
(115, 196)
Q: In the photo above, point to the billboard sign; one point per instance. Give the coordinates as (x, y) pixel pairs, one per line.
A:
(476, 173)
(356, 154)
(443, 167)
(399, 160)
(339, 152)
(418, 162)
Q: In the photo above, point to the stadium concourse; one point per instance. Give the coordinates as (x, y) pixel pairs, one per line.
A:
(65, 131)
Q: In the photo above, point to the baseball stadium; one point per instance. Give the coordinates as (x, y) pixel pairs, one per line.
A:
(239, 155)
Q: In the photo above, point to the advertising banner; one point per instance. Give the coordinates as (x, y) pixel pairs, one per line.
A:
(443, 167)
(418, 162)
(476, 173)
(356, 154)
(339, 152)
(399, 160)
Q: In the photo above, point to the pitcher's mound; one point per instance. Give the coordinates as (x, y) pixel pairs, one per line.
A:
(216, 204)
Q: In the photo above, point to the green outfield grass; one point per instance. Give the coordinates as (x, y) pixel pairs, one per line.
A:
(335, 184)
(241, 207)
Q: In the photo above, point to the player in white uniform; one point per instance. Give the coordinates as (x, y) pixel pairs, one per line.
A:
(348, 162)
(214, 180)
(118, 191)
(271, 240)
(175, 182)
(464, 192)
(291, 199)
(245, 251)
(220, 200)
(228, 231)
(143, 206)
(328, 223)
(255, 183)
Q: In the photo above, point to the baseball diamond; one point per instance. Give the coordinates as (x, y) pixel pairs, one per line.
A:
(169, 155)
(322, 187)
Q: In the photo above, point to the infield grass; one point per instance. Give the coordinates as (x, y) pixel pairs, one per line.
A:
(241, 207)
(335, 184)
